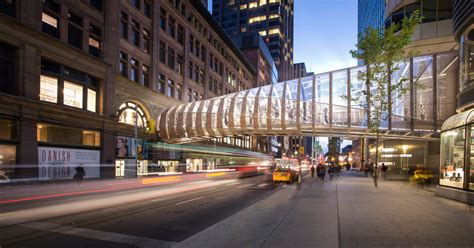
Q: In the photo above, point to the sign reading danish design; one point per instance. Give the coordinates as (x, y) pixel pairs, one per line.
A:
(61, 163)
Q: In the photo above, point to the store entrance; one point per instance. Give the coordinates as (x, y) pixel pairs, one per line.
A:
(119, 168)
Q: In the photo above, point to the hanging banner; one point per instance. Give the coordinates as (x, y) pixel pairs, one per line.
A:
(61, 163)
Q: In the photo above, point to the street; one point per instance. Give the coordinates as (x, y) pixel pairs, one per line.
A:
(248, 212)
(157, 220)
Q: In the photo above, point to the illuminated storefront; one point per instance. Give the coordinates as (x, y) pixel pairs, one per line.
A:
(457, 152)
(7, 149)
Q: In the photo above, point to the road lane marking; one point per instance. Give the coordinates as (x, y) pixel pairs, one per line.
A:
(262, 185)
(190, 200)
(99, 235)
(247, 185)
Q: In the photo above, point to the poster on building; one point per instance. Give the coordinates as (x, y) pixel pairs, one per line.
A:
(61, 163)
(128, 147)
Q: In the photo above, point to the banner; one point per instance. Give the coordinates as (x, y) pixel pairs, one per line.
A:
(61, 163)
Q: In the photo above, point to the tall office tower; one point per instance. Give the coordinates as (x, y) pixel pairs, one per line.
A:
(272, 19)
(369, 14)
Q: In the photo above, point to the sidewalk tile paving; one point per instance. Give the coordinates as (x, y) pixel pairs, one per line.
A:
(346, 212)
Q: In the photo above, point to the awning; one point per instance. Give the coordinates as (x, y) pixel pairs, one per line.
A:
(458, 120)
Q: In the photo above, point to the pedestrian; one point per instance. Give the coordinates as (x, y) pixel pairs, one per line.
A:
(322, 172)
(348, 166)
(332, 171)
(80, 174)
(312, 171)
(384, 170)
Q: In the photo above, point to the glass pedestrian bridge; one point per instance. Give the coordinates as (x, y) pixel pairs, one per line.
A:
(316, 106)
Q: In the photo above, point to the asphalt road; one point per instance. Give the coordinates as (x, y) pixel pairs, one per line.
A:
(147, 217)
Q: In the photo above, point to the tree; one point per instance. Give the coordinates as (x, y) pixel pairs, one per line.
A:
(382, 50)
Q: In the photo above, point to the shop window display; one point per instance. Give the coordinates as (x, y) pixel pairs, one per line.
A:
(452, 158)
(470, 165)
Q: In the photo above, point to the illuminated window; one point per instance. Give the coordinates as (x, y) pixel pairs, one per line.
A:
(257, 19)
(91, 100)
(72, 94)
(263, 33)
(243, 29)
(130, 112)
(243, 6)
(274, 31)
(263, 2)
(48, 89)
(253, 5)
(273, 1)
(273, 16)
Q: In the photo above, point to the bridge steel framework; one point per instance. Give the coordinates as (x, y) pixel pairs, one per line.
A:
(314, 106)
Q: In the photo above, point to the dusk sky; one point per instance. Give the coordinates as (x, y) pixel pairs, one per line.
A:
(325, 31)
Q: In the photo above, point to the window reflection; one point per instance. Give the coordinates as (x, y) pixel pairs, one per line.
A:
(130, 112)
(452, 158)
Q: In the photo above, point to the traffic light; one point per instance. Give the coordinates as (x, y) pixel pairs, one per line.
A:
(150, 126)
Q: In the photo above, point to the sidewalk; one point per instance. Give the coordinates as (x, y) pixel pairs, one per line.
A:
(348, 212)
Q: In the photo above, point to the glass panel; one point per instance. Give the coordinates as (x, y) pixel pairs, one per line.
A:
(322, 99)
(7, 129)
(447, 69)
(250, 106)
(91, 100)
(277, 94)
(238, 108)
(263, 106)
(205, 107)
(54, 134)
(193, 115)
(358, 109)
(48, 89)
(467, 58)
(185, 118)
(423, 91)
(339, 103)
(470, 165)
(226, 108)
(401, 103)
(306, 102)
(452, 158)
(72, 95)
(290, 103)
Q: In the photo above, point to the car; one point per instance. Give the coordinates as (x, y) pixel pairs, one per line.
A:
(285, 175)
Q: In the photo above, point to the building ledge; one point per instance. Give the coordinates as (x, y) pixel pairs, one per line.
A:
(455, 194)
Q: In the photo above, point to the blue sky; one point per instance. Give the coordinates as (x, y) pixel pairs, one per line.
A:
(324, 32)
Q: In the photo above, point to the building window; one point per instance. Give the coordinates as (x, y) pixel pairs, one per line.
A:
(146, 41)
(123, 64)
(163, 19)
(147, 8)
(8, 7)
(130, 113)
(201, 77)
(75, 30)
(203, 54)
(98, 4)
(48, 89)
(95, 35)
(73, 94)
(62, 135)
(191, 44)
(145, 75)
(134, 70)
(190, 95)
(172, 27)
(91, 100)
(179, 92)
(162, 83)
(180, 37)
(124, 25)
(170, 88)
(135, 33)
(7, 69)
(162, 52)
(135, 3)
(191, 70)
(50, 24)
(171, 57)
(180, 64)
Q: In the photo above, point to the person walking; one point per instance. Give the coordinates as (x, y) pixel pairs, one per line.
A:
(384, 170)
(312, 171)
(332, 171)
(80, 174)
(322, 172)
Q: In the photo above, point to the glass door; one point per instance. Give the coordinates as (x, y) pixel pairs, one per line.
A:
(119, 168)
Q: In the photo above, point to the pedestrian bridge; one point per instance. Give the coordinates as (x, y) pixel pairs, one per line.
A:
(311, 106)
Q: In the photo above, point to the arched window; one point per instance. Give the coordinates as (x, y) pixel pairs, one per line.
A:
(129, 112)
